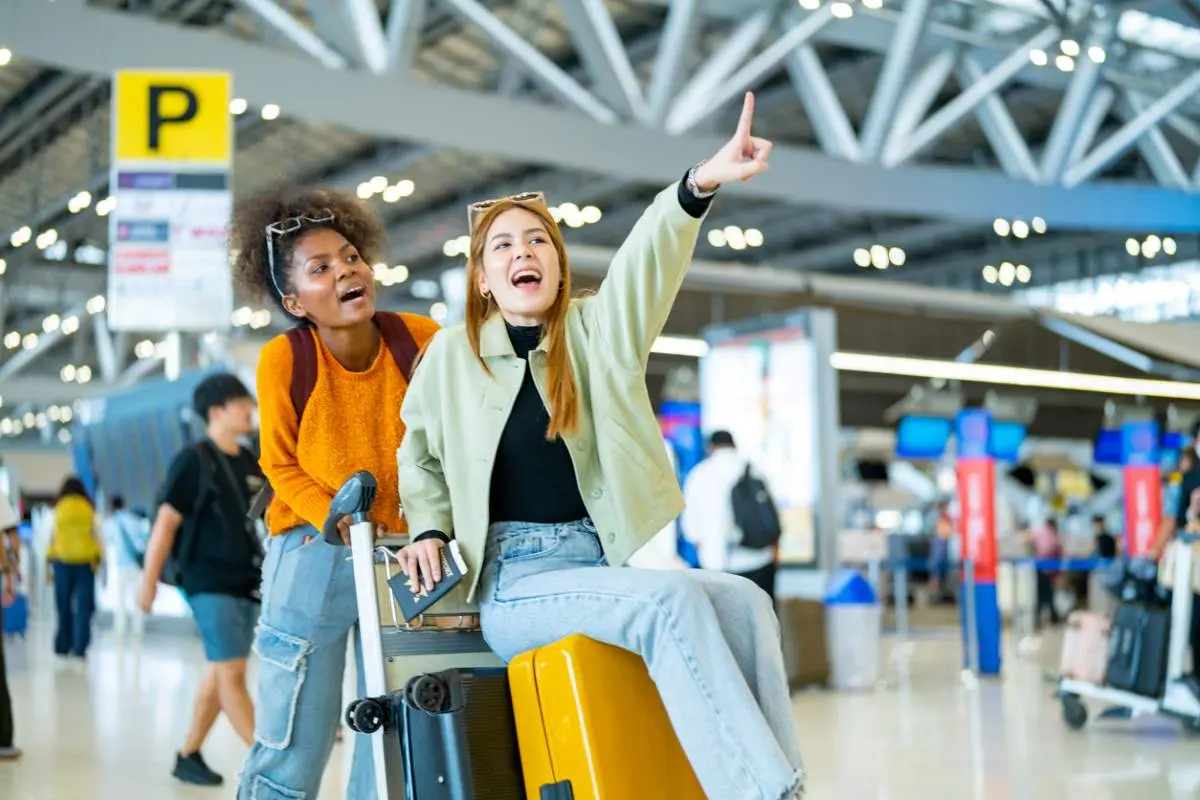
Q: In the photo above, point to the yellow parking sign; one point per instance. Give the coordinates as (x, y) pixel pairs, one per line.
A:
(172, 116)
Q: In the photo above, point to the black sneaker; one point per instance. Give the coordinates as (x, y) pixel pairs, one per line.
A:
(192, 769)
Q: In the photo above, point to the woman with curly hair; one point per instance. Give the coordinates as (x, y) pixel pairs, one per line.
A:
(311, 252)
(532, 441)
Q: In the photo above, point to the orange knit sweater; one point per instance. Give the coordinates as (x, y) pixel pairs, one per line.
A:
(352, 422)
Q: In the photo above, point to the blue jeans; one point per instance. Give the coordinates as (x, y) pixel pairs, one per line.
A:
(710, 641)
(308, 608)
(75, 599)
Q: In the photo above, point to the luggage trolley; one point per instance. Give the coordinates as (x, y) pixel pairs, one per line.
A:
(1180, 696)
(396, 656)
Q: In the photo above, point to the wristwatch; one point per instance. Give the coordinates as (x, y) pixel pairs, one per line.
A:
(691, 183)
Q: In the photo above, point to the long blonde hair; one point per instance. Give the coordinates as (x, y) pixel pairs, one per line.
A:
(564, 394)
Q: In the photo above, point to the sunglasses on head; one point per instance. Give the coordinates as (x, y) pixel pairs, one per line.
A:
(474, 210)
(285, 226)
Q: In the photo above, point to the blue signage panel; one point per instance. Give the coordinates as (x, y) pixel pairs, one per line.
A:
(1139, 443)
(973, 428)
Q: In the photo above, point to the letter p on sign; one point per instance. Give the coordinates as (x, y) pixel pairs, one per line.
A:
(172, 116)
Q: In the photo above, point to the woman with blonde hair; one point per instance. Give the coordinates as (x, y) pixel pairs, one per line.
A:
(532, 441)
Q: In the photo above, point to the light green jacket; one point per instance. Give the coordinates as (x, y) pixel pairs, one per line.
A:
(454, 412)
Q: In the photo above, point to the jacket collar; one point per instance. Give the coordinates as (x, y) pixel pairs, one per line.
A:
(494, 341)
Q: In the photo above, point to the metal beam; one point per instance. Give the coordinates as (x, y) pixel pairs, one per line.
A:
(603, 54)
(917, 101)
(1002, 133)
(1155, 148)
(974, 94)
(551, 76)
(98, 41)
(674, 48)
(724, 60)
(368, 30)
(405, 20)
(1114, 146)
(1071, 111)
(289, 27)
(892, 78)
(825, 112)
(753, 71)
(1089, 126)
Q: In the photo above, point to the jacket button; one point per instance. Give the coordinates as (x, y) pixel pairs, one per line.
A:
(597, 493)
(612, 537)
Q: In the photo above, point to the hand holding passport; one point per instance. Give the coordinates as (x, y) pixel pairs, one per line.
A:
(416, 595)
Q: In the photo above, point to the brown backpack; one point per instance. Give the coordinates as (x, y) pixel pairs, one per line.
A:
(396, 338)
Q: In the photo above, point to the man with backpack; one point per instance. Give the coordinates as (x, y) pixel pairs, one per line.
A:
(204, 542)
(730, 515)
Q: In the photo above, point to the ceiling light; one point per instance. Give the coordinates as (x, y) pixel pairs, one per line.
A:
(862, 257)
(841, 10)
(83, 374)
(30, 341)
(438, 311)
(754, 237)
(1151, 248)
(735, 237)
(46, 238)
(590, 214)
(810, 5)
(105, 206)
(21, 236)
(1097, 54)
(1064, 62)
(67, 373)
(1001, 227)
(391, 194)
(1024, 273)
(29, 419)
(1008, 273)
(12, 340)
(1132, 246)
(270, 111)
(51, 323)
(1070, 47)
(144, 349)
(680, 346)
(879, 256)
(1013, 376)
(1168, 245)
(897, 256)
(1020, 229)
(5, 56)
(364, 191)
(3, 266)
(378, 183)
(70, 325)
(1038, 57)
(238, 105)
(95, 304)
(1039, 225)
(874, 5)
(399, 273)
(406, 187)
(64, 435)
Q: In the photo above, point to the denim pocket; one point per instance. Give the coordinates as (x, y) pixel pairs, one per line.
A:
(281, 673)
(263, 789)
(535, 553)
(530, 545)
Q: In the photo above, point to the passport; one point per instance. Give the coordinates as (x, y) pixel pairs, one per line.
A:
(416, 600)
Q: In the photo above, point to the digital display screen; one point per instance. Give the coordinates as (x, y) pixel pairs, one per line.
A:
(922, 437)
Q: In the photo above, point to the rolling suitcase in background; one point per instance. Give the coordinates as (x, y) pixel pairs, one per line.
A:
(805, 641)
(1085, 647)
(16, 616)
(591, 726)
(1137, 660)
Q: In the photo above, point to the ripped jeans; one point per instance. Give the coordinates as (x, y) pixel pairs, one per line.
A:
(308, 608)
(710, 640)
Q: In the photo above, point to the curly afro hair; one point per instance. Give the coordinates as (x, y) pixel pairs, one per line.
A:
(251, 267)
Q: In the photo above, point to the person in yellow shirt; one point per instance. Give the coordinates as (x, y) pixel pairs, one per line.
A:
(74, 555)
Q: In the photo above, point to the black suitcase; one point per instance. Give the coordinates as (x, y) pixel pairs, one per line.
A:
(458, 738)
(1137, 654)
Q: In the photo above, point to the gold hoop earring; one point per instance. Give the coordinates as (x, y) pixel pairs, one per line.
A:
(486, 294)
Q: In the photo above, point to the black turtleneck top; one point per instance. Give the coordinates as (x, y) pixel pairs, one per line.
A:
(533, 479)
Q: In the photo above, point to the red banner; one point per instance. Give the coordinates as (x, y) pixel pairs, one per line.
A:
(977, 521)
(1143, 508)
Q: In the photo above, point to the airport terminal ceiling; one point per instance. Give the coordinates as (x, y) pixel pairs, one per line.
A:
(927, 140)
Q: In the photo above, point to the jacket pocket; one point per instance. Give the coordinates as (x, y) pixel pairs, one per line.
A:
(634, 454)
(281, 674)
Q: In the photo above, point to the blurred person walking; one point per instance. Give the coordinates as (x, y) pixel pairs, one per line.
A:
(74, 555)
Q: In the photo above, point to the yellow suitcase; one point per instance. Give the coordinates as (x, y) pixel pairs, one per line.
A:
(588, 713)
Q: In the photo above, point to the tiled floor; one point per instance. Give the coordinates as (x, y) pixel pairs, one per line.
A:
(109, 734)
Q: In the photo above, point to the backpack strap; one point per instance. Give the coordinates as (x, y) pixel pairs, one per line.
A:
(304, 367)
(399, 341)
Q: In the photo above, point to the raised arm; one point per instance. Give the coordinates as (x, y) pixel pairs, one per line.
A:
(631, 307)
(424, 495)
(278, 433)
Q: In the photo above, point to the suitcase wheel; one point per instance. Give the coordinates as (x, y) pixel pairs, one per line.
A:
(427, 693)
(1074, 712)
(366, 716)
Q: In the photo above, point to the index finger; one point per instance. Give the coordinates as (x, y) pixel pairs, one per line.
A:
(747, 115)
